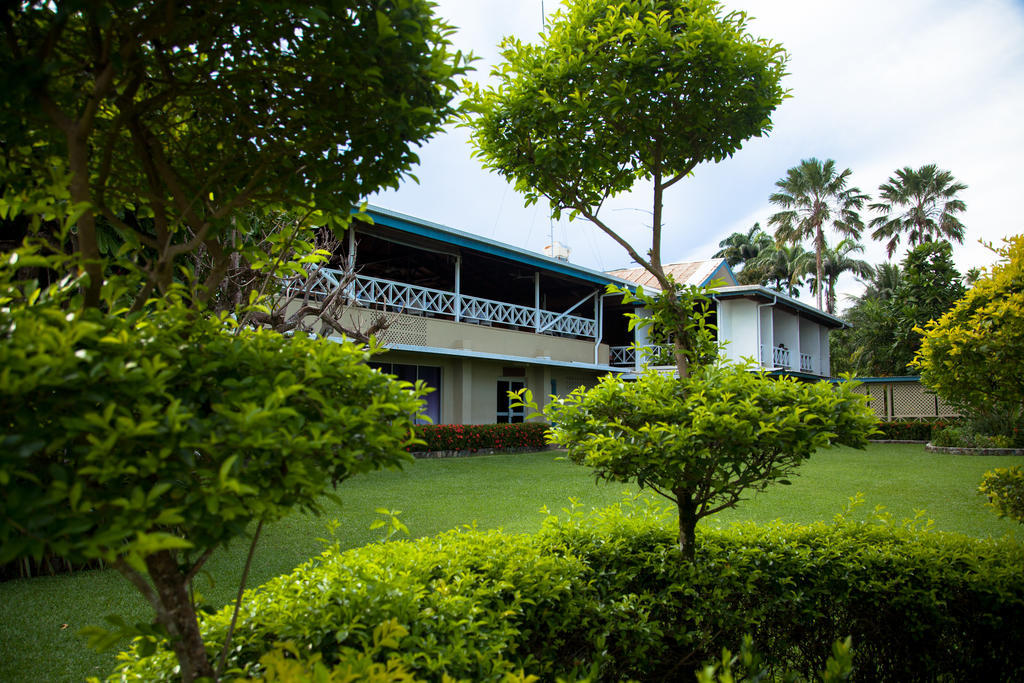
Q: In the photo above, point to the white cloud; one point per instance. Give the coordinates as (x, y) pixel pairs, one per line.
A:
(875, 86)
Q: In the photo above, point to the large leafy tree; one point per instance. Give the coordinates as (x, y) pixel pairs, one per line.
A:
(163, 119)
(883, 338)
(921, 203)
(973, 355)
(813, 197)
(621, 92)
(740, 248)
(839, 260)
(138, 138)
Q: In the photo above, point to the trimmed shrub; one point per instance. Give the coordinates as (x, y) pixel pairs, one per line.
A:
(606, 597)
(477, 437)
(909, 430)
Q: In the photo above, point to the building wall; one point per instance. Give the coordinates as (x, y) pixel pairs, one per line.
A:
(469, 386)
(738, 324)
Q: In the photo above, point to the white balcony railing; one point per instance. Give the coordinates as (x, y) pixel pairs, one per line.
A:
(626, 356)
(806, 363)
(405, 298)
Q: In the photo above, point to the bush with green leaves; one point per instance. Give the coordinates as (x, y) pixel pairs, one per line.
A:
(909, 430)
(477, 437)
(704, 440)
(602, 595)
(150, 438)
(973, 356)
(1004, 487)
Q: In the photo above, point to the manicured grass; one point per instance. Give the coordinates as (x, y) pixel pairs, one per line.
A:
(39, 618)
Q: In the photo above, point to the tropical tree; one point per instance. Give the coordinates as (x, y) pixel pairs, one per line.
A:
(741, 247)
(838, 260)
(922, 204)
(619, 92)
(881, 282)
(167, 119)
(813, 197)
(781, 267)
(973, 356)
(883, 338)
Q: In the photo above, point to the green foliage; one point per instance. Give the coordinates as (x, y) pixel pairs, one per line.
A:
(619, 92)
(679, 320)
(909, 430)
(884, 336)
(149, 438)
(624, 90)
(704, 440)
(973, 356)
(600, 596)
(967, 435)
(1004, 487)
(124, 434)
(921, 203)
(167, 119)
(476, 437)
(814, 196)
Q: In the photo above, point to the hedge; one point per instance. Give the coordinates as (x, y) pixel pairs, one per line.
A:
(477, 437)
(606, 597)
(909, 430)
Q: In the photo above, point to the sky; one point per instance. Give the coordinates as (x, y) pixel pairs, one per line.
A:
(875, 85)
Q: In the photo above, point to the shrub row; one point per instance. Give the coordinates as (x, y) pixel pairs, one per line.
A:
(606, 597)
(909, 430)
(477, 437)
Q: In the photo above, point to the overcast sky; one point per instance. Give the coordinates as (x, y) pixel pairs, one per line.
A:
(874, 85)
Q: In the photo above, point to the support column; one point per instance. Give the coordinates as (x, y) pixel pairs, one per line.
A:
(458, 287)
(536, 301)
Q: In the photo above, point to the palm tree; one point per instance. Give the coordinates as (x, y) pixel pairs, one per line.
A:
(779, 267)
(839, 260)
(813, 196)
(881, 283)
(741, 247)
(922, 204)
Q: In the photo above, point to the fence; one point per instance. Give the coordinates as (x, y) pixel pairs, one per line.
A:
(903, 398)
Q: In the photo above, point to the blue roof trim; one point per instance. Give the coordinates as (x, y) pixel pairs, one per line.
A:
(448, 235)
(484, 355)
(878, 380)
(715, 275)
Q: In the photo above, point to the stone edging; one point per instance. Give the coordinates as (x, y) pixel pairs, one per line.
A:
(431, 455)
(957, 450)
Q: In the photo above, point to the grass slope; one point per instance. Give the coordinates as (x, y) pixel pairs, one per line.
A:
(39, 618)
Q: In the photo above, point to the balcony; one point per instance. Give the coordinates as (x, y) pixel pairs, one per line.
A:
(398, 297)
(652, 355)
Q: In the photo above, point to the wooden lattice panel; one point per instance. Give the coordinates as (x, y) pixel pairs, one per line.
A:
(877, 393)
(910, 400)
(405, 329)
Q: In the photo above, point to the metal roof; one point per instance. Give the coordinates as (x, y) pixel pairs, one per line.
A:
(443, 233)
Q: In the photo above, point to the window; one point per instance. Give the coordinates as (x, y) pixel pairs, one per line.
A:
(506, 413)
(430, 375)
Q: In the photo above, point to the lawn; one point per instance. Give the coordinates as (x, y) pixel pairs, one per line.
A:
(39, 618)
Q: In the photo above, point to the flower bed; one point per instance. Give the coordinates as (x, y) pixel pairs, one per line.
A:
(465, 439)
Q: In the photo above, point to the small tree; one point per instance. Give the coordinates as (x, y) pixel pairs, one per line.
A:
(624, 91)
(973, 356)
(150, 439)
(704, 441)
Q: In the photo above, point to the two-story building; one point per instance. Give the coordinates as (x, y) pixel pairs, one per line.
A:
(475, 318)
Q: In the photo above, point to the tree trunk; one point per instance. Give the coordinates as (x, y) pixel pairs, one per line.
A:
(78, 162)
(687, 522)
(176, 614)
